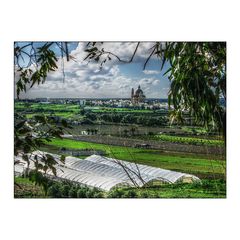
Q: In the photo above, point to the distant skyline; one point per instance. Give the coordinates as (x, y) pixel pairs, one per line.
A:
(115, 80)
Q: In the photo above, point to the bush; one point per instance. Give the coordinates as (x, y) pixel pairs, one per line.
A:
(130, 194)
(72, 192)
(144, 195)
(54, 191)
(116, 193)
(81, 192)
(98, 194)
(90, 193)
(84, 192)
(65, 190)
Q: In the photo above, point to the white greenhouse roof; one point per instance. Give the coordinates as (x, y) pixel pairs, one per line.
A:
(106, 173)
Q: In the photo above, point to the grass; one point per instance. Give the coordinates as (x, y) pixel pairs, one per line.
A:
(24, 188)
(58, 114)
(48, 107)
(69, 110)
(206, 189)
(75, 108)
(61, 110)
(188, 140)
(149, 157)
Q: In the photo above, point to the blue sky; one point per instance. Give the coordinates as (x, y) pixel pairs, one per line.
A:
(114, 80)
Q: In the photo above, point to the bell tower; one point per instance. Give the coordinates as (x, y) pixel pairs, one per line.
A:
(132, 94)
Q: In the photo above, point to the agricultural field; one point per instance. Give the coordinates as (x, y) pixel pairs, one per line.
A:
(60, 110)
(120, 133)
(191, 163)
(189, 140)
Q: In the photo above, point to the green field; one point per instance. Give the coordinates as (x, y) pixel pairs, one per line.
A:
(58, 114)
(73, 108)
(211, 169)
(188, 140)
(180, 162)
(51, 106)
(60, 110)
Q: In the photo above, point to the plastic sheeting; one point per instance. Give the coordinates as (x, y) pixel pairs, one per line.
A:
(106, 173)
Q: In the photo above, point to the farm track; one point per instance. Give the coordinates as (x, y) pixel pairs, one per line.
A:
(156, 145)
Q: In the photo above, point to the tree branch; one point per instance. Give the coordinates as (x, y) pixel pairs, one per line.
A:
(145, 64)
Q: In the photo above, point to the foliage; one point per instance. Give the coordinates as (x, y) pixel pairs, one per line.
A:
(42, 61)
(205, 189)
(29, 136)
(198, 81)
(71, 190)
(24, 188)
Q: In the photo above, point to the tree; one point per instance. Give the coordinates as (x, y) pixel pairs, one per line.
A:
(82, 111)
(133, 130)
(32, 64)
(198, 82)
(125, 132)
(29, 136)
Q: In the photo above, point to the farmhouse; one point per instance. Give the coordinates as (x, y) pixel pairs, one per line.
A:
(106, 173)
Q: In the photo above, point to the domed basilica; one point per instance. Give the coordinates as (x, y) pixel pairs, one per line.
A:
(138, 96)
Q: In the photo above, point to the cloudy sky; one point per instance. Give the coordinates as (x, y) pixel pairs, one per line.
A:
(114, 80)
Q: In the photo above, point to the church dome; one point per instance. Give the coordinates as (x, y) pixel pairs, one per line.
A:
(139, 91)
(138, 96)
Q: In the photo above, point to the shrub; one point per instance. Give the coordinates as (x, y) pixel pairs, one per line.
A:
(144, 195)
(55, 191)
(65, 190)
(81, 192)
(72, 192)
(130, 194)
(98, 194)
(116, 193)
(89, 193)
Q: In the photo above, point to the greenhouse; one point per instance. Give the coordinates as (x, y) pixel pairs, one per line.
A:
(106, 173)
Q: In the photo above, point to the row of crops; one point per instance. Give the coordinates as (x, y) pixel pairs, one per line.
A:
(189, 140)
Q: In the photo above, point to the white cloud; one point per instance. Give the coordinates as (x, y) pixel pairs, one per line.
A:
(84, 79)
(149, 72)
